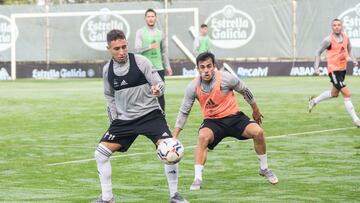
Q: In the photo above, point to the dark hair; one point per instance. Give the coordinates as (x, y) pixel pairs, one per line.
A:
(150, 10)
(203, 25)
(204, 56)
(115, 35)
(336, 19)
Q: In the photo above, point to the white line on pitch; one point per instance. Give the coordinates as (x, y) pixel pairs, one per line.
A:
(65, 146)
(86, 160)
(310, 132)
(289, 135)
(314, 152)
(188, 147)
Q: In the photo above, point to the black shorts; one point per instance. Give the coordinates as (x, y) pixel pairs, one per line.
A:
(124, 132)
(337, 78)
(231, 126)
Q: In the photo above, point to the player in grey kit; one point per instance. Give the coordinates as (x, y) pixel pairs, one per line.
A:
(131, 88)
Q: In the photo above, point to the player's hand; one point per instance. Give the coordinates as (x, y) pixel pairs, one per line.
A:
(257, 116)
(356, 64)
(317, 72)
(175, 133)
(154, 45)
(169, 71)
(155, 90)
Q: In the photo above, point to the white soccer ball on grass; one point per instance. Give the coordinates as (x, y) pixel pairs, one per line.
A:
(170, 151)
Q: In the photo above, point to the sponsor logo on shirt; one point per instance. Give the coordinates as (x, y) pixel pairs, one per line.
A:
(123, 83)
(210, 104)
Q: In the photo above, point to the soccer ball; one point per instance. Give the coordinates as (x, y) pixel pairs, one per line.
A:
(170, 151)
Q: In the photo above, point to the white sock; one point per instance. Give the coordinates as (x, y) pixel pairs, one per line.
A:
(263, 161)
(323, 96)
(198, 171)
(171, 172)
(350, 108)
(102, 157)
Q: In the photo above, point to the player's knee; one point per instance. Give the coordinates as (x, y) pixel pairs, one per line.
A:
(102, 154)
(335, 93)
(347, 95)
(204, 139)
(100, 157)
(258, 134)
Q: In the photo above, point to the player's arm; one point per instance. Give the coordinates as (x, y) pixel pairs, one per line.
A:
(249, 98)
(257, 116)
(165, 55)
(185, 109)
(138, 43)
(151, 75)
(353, 58)
(325, 44)
(109, 95)
(240, 87)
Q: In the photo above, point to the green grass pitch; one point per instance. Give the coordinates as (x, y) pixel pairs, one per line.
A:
(49, 131)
